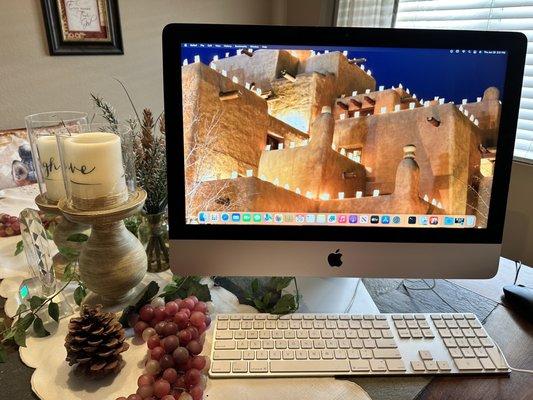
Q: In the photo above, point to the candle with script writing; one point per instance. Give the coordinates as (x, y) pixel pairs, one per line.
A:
(51, 167)
(94, 170)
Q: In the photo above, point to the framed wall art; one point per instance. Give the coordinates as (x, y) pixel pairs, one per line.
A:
(78, 27)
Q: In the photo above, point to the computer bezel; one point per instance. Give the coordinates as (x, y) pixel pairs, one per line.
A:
(174, 35)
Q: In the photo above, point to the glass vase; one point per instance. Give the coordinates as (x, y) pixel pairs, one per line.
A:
(153, 234)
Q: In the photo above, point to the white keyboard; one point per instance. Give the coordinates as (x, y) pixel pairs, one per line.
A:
(247, 345)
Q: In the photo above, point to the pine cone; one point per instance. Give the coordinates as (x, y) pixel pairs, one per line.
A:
(95, 342)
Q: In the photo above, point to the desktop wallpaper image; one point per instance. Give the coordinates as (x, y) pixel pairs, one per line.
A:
(332, 130)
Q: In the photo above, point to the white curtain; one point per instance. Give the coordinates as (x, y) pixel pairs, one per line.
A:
(365, 13)
(502, 15)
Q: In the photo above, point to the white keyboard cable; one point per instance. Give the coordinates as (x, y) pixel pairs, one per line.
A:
(525, 371)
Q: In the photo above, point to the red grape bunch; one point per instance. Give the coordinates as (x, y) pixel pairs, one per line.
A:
(9, 225)
(174, 333)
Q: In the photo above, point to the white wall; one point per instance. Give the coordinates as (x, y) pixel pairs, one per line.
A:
(32, 81)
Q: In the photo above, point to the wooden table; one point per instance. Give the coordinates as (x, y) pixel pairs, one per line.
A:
(483, 297)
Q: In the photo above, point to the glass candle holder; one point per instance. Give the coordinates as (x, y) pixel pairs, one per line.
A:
(98, 165)
(42, 129)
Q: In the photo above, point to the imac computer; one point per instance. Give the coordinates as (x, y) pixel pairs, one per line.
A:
(300, 151)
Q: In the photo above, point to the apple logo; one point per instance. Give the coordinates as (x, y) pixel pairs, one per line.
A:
(334, 259)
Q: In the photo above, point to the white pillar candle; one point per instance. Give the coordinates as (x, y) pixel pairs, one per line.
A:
(51, 167)
(94, 168)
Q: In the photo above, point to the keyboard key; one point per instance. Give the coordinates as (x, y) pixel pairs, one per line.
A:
(486, 342)
(306, 344)
(468, 352)
(264, 334)
(378, 365)
(234, 325)
(294, 344)
(353, 353)
(480, 352)
(404, 333)
(431, 365)
(416, 334)
(387, 334)
(450, 342)
(222, 325)
(386, 343)
(310, 366)
(480, 333)
(314, 354)
(267, 344)
(220, 366)
(302, 334)
(467, 364)
(225, 345)
(474, 342)
(428, 333)
(221, 335)
(420, 317)
(344, 344)
(455, 353)
(222, 317)
(274, 354)
(357, 343)
(425, 354)
(248, 355)
(461, 342)
(386, 353)
(301, 354)
(418, 366)
(487, 364)
(360, 365)
(439, 324)
(254, 344)
(280, 344)
(261, 355)
(496, 358)
(239, 366)
(326, 354)
(259, 366)
(444, 366)
(395, 365)
(227, 355)
(379, 324)
(366, 353)
(340, 354)
(287, 354)
(289, 335)
(369, 343)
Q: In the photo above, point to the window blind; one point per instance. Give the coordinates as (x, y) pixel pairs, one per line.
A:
(504, 15)
(365, 13)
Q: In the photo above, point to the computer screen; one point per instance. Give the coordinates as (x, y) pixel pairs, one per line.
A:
(340, 136)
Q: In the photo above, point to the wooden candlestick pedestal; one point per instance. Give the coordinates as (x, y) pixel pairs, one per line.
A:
(62, 232)
(112, 261)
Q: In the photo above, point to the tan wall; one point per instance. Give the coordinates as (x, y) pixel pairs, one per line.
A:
(32, 81)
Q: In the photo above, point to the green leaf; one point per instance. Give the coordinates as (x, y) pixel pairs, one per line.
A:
(20, 338)
(199, 290)
(78, 237)
(39, 329)
(285, 305)
(20, 247)
(149, 293)
(68, 253)
(266, 299)
(53, 311)
(36, 302)
(3, 354)
(69, 272)
(259, 305)
(282, 283)
(25, 323)
(255, 286)
(9, 334)
(49, 235)
(21, 309)
(79, 294)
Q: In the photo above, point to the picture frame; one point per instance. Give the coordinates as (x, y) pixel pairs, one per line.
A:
(83, 27)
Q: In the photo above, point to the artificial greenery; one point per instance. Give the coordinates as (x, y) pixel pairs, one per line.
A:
(148, 295)
(26, 317)
(269, 297)
(184, 286)
(149, 150)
